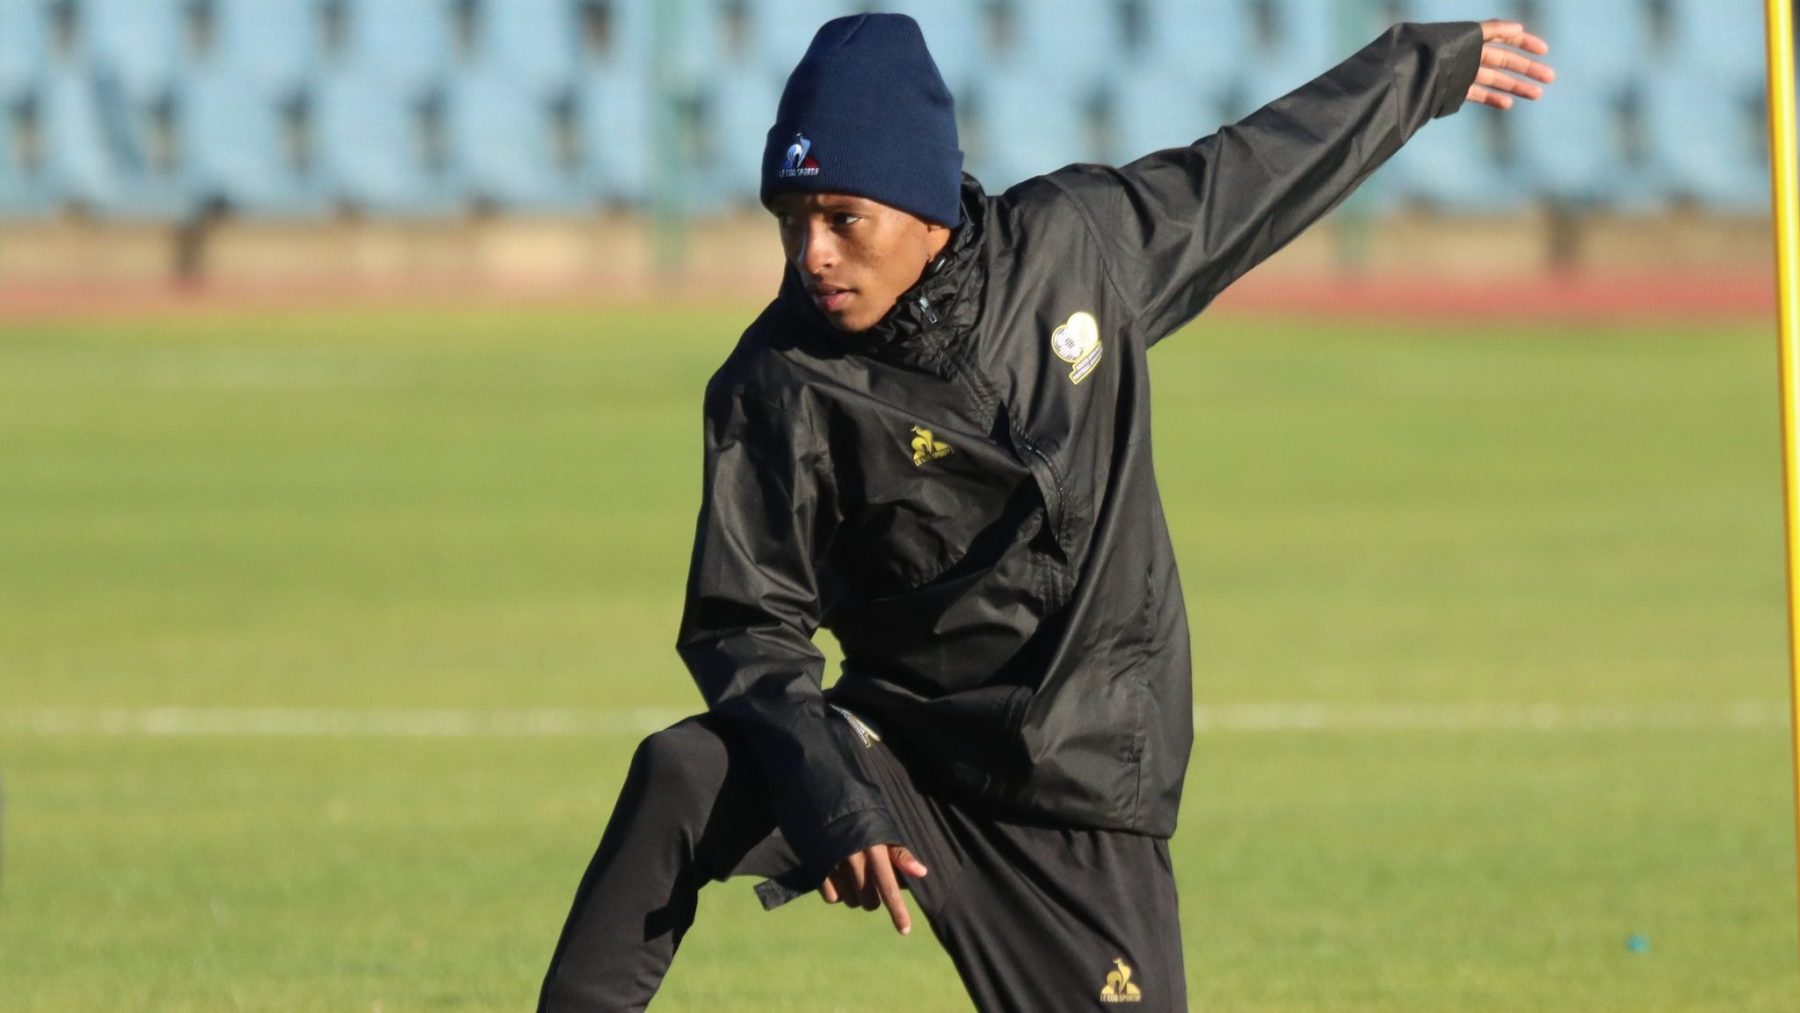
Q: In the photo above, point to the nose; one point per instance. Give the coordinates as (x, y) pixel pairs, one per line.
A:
(816, 251)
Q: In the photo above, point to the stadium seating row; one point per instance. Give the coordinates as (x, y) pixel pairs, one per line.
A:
(168, 108)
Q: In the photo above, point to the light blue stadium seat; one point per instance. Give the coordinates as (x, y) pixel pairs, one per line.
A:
(1719, 35)
(24, 55)
(624, 42)
(1203, 41)
(242, 144)
(1355, 25)
(1451, 164)
(778, 30)
(377, 147)
(1572, 144)
(955, 31)
(732, 73)
(382, 114)
(617, 137)
(1468, 10)
(133, 52)
(143, 157)
(1066, 43)
(24, 60)
(701, 44)
(742, 110)
(273, 44)
(1569, 150)
(141, 42)
(718, 42)
(534, 43)
(405, 40)
(1704, 94)
(516, 149)
(79, 161)
(1594, 43)
(1298, 43)
(1030, 126)
(1160, 107)
(24, 179)
(1708, 142)
(1289, 43)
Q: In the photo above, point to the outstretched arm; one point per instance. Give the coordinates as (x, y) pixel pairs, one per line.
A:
(1177, 226)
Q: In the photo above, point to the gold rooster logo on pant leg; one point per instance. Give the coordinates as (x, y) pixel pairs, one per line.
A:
(1118, 984)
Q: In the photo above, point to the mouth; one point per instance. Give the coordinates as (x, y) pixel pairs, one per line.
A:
(830, 298)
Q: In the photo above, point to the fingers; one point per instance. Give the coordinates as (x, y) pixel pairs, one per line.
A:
(1513, 33)
(1495, 84)
(855, 881)
(852, 882)
(871, 890)
(1518, 63)
(867, 880)
(844, 883)
(1489, 98)
(882, 874)
(1493, 80)
(906, 861)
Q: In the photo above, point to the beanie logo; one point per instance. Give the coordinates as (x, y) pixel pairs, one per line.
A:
(799, 159)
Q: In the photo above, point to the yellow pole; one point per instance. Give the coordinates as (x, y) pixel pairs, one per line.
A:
(1783, 182)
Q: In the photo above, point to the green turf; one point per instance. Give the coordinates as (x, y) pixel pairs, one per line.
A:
(491, 511)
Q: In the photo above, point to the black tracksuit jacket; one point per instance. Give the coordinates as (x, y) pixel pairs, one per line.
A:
(964, 496)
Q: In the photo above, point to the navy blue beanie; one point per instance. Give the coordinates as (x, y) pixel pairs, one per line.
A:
(866, 112)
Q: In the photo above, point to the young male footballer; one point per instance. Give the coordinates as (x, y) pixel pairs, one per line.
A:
(935, 443)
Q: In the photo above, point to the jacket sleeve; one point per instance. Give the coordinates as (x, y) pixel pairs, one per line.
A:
(1179, 225)
(752, 606)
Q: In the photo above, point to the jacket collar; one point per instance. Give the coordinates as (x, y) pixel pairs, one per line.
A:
(943, 299)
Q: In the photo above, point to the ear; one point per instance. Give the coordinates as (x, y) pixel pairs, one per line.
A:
(936, 237)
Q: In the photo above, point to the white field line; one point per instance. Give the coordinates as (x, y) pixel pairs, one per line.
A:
(1539, 717)
(285, 722)
(304, 722)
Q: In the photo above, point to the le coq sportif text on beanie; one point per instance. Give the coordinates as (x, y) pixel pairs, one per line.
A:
(866, 112)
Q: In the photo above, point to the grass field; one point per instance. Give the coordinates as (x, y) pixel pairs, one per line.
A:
(324, 640)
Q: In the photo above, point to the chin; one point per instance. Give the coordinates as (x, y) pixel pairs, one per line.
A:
(851, 325)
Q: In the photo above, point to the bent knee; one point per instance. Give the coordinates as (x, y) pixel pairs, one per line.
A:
(685, 762)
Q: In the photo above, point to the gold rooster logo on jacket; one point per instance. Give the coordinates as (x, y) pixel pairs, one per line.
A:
(926, 447)
(1118, 984)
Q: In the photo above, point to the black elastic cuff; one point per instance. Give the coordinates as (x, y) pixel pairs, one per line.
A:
(842, 837)
(773, 892)
(1460, 68)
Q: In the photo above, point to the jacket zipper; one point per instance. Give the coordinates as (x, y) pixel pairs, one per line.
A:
(925, 308)
(1056, 511)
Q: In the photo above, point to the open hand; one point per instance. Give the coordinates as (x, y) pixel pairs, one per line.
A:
(1493, 86)
(866, 880)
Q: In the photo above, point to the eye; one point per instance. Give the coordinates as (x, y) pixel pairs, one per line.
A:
(843, 218)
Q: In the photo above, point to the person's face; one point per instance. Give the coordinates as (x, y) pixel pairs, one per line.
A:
(856, 256)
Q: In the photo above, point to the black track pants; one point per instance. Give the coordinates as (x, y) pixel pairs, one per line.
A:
(1035, 918)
